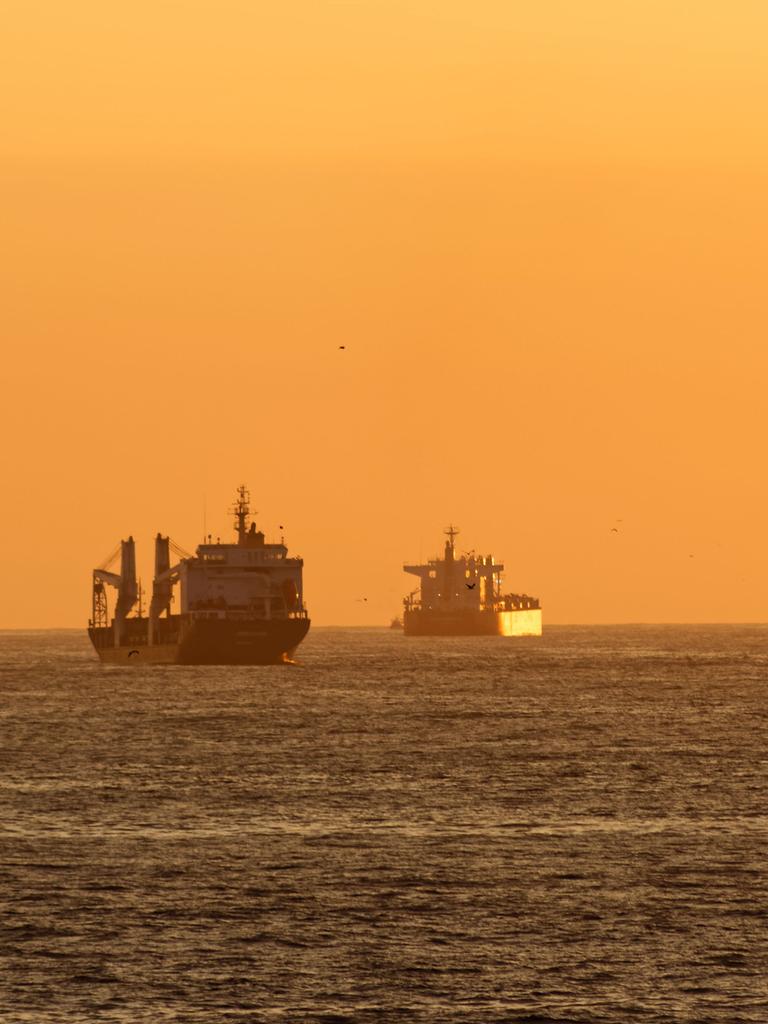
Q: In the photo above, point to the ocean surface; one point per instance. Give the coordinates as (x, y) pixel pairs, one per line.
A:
(565, 829)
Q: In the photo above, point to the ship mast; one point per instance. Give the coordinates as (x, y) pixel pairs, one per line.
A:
(449, 551)
(451, 532)
(241, 511)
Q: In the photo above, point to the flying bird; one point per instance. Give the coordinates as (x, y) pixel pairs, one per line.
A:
(470, 586)
(342, 346)
(614, 530)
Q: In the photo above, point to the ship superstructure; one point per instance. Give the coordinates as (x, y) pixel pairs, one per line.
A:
(461, 595)
(240, 603)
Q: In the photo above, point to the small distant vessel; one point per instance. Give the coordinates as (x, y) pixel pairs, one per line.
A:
(396, 623)
(462, 596)
(241, 603)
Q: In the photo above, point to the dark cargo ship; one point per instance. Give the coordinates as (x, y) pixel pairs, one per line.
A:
(462, 596)
(241, 603)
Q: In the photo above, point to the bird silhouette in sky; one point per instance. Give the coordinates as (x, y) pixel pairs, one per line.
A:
(342, 346)
(614, 530)
(131, 653)
(281, 527)
(470, 586)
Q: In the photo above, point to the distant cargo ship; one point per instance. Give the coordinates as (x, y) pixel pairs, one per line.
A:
(241, 604)
(461, 596)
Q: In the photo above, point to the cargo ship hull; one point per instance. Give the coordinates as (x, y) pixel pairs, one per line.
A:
(204, 642)
(465, 622)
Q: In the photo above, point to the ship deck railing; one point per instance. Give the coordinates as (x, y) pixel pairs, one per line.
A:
(528, 604)
(242, 614)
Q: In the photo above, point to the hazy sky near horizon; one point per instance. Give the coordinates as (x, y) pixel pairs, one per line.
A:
(540, 230)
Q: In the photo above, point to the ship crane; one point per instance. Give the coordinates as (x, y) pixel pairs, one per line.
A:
(125, 583)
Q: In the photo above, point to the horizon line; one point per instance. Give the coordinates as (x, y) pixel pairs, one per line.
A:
(378, 625)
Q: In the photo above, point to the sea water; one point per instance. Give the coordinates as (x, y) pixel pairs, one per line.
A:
(565, 828)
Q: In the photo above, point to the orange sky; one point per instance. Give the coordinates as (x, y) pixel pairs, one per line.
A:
(540, 229)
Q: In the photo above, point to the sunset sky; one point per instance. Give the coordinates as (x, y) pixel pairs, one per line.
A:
(540, 229)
